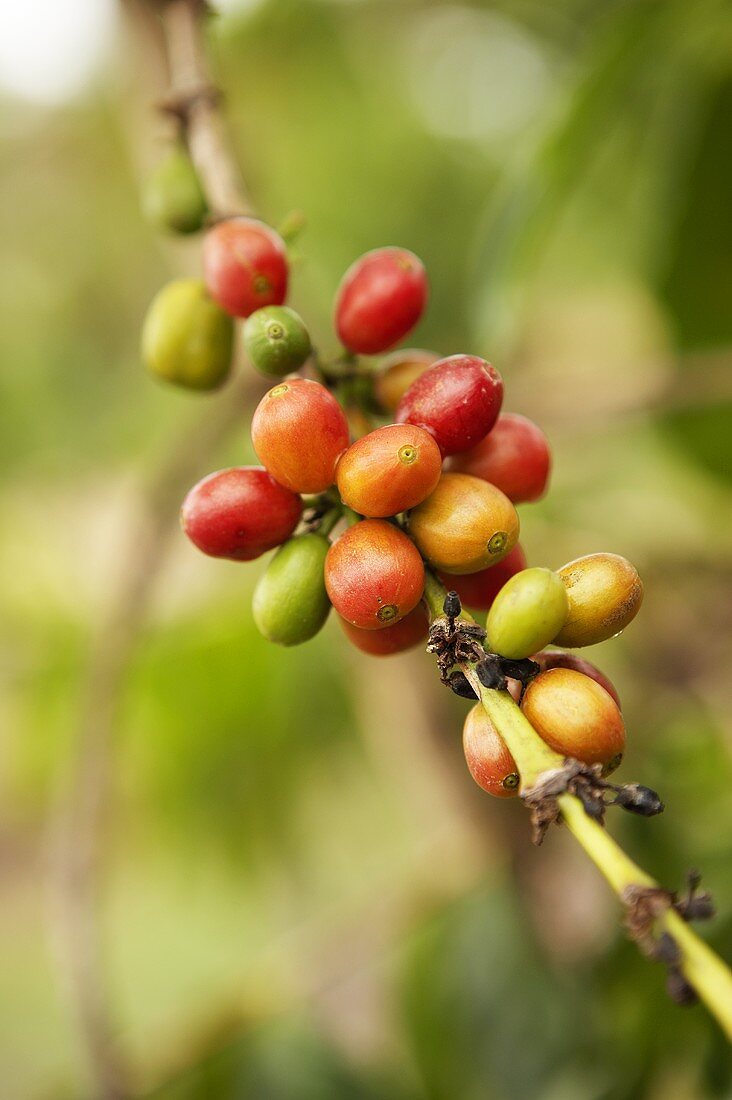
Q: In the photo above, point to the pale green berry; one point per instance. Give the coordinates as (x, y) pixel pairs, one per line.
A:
(290, 602)
(527, 613)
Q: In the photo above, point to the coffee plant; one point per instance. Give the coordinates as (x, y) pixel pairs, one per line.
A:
(388, 488)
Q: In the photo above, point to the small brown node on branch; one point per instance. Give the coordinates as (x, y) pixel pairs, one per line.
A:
(584, 781)
(523, 670)
(455, 641)
(312, 517)
(452, 606)
(644, 905)
(680, 989)
(181, 104)
(490, 673)
(458, 683)
(694, 905)
(637, 799)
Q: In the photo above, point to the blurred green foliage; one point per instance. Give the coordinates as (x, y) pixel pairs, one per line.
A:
(305, 896)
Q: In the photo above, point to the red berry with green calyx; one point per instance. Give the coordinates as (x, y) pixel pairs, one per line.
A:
(374, 574)
(380, 299)
(457, 401)
(239, 513)
(389, 470)
(299, 432)
(478, 590)
(409, 632)
(514, 456)
(576, 717)
(490, 763)
(276, 340)
(245, 266)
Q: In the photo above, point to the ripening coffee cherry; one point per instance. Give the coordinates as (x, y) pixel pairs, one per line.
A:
(464, 525)
(604, 593)
(457, 401)
(290, 603)
(527, 613)
(490, 763)
(374, 574)
(478, 590)
(514, 456)
(239, 513)
(299, 432)
(380, 299)
(576, 717)
(173, 198)
(389, 470)
(396, 374)
(406, 634)
(186, 338)
(559, 658)
(245, 266)
(276, 340)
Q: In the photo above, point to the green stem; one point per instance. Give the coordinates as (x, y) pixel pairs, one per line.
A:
(344, 367)
(350, 516)
(707, 973)
(532, 755)
(709, 976)
(329, 521)
(291, 226)
(434, 597)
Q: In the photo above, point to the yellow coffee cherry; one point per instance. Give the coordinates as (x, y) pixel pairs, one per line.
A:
(187, 338)
(604, 593)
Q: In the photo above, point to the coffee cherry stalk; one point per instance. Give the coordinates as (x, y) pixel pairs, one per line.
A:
(388, 488)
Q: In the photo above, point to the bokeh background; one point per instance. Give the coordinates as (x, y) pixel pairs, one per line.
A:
(300, 894)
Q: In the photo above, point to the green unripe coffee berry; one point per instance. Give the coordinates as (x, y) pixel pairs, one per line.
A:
(290, 603)
(172, 197)
(276, 340)
(186, 338)
(527, 613)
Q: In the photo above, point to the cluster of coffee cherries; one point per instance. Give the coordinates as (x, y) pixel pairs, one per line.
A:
(376, 470)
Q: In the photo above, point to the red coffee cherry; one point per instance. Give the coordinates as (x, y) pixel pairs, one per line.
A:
(576, 717)
(559, 658)
(514, 456)
(245, 266)
(478, 590)
(239, 513)
(489, 761)
(407, 633)
(457, 401)
(374, 574)
(396, 374)
(381, 297)
(299, 432)
(389, 470)
(464, 525)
